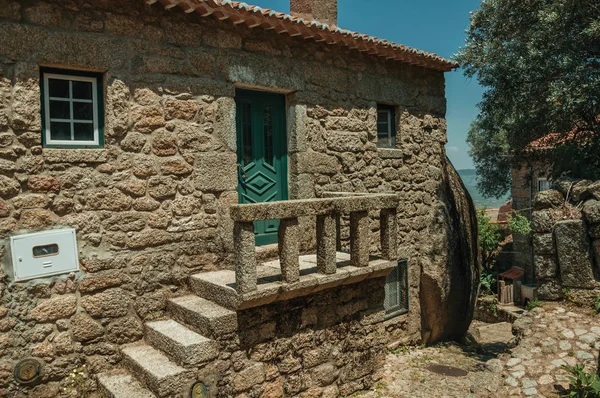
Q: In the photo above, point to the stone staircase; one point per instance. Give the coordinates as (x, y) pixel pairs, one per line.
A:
(165, 364)
(201, 324)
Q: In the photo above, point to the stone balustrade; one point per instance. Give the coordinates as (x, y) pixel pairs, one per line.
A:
(327, 211)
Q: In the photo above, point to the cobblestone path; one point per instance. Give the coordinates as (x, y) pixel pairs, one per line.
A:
(547, 338)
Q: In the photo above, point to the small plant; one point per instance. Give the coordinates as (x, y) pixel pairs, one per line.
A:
(494, 308)
(597, 304)
(569, 296)
(581, 384)
(78, 383)
(531, 304)
(487, 282)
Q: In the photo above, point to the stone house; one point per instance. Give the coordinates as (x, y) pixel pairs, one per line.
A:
(527, 181)
(154, 153)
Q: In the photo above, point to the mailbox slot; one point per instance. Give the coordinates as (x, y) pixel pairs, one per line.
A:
(44, 254)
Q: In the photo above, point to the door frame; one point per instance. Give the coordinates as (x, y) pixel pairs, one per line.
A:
(278, 100)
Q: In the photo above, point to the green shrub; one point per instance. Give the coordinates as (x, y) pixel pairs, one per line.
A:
(487, 282)
(531, 304)
(489, 239)
(597, 304)
(519, 224)
(581, 384)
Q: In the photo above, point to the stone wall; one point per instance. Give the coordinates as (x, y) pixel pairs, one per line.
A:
(566, 240)
(151, 207)
(523, 190)
(331, 343)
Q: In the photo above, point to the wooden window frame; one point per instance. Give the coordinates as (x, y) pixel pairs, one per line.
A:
(96, 101)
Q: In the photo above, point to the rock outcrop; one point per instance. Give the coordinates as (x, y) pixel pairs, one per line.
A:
(449, 288)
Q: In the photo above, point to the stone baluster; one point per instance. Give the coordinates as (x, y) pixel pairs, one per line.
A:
(359, 238)
(326, 243)
(289, 249)
(245, 257)
(389, 234)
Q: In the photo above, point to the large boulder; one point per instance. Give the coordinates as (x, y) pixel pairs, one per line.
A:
(594, 190)
(450, 277)
(548, 199)
(580, 191)
(563, 185)
(591, 211)
(574, 257)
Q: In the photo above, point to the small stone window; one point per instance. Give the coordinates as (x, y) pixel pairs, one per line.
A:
(72, 109)
(386, 126)
(543, 184)
(396, 291)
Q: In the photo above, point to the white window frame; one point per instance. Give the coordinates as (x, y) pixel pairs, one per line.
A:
(546, 183)
(391, 136)
(93, 101)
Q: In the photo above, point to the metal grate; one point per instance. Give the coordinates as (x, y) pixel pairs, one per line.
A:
(396, 290)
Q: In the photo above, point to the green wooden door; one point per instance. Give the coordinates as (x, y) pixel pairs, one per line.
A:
(262, 156)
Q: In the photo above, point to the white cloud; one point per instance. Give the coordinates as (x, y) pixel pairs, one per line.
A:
(452, 149)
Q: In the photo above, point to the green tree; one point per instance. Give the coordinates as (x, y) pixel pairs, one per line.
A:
(539, 61)
(489, 239)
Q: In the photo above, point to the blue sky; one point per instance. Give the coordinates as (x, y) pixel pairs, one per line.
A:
(431, 25)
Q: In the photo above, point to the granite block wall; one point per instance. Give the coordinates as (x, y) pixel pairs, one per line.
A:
(151, 206)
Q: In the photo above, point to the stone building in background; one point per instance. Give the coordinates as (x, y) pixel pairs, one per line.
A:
(159, 151)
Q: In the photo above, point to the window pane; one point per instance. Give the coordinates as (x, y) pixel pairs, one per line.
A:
(383, 127)
(82, 90)
(58, 88)
(83, 111)
(386, 136)
(60, 131)
(84, 132)
(396, 294)
(60, 110)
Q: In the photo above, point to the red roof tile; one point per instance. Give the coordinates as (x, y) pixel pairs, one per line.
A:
(513, 273)
(254, 17)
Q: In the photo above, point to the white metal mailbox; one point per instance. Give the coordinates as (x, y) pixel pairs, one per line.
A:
(43, 254)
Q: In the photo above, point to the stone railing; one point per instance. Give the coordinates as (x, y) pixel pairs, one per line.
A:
(327, 212)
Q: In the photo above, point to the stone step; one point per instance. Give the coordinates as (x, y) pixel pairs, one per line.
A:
(216, 286)
(181, 344)
(164, 377)
(122, 385)
(204, 316)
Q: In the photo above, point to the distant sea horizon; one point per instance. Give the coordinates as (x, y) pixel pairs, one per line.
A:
(469, 177)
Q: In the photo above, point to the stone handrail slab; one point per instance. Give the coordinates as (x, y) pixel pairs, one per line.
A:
(220, 286)
(312, 207)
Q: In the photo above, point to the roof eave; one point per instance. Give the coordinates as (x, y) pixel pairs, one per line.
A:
(282, 23)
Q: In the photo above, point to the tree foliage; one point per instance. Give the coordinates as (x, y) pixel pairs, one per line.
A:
(489, 239)
(539, 61)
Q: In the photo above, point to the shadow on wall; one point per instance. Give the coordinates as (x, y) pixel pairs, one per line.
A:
(450, 272)
(317, 340)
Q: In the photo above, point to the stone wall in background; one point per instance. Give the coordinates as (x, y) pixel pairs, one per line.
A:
(566, 240)
(151, 207)
(524, 187)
